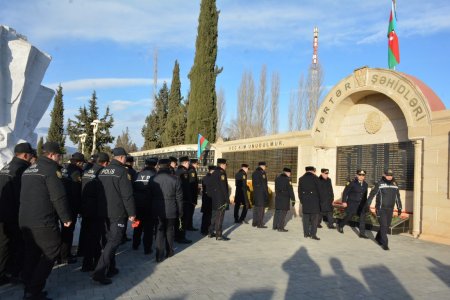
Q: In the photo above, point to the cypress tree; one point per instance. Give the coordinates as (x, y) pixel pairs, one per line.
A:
(56, 129)
(174, 133)
(39, 146)
(154, 126)
(202, 110)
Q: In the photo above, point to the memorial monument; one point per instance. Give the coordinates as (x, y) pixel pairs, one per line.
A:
(23, 100)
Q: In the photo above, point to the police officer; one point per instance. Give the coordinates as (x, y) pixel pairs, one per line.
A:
(93, 222)
(144, 206)
(193, 182)
(284, 198)
(309, 194)
(387, 195)
(326, 199)
(117, 194)
(354, 199)
(11, 242)
(218, 186)
(260, 194)
(129, 165)
(183, 174)
(206, 202)
(241, 195)
(71, 173)
(167, 204)
(42, 201)
(173, 164)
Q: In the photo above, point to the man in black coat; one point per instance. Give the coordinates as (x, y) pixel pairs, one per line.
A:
(92, 222)
(116, 193)
(326, 199)
(11, 242)
(241, 195)
(71, 174)
(309, 194)
(144, 214)
(173, 164)
(260, 194)
(218, 186)
(167, 205)
(193, 182)
(43, 202)
(354, 199)
(183, 174)
(206, 202)
(284, 198)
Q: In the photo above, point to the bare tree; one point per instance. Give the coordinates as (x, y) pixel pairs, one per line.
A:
(220, 113)
(292, 111)
(314, 92)
(274, 99)
(259, 123)
(245, 107)
(301, 101)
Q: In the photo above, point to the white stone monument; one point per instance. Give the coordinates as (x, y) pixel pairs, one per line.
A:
(23, 100)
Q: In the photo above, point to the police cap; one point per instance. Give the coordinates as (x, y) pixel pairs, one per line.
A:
(119, 152)
(244, 166)
(51, 147)
(23, 148)
(102, 157)
(151, 161)
(173, 159)
(262, 163)
(183, 159)
(164, 162)
(210, 168)
(389, 172)
(77, 156)
(325, 171)
(360, 172)
(286, 170)
(310, 168)
(130, 158)
(221, 161)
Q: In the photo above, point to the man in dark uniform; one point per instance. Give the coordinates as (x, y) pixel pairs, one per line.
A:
(129, 165)
(218, 186)
(326, 199)
(117, 194)
(142, 197)
(309, 194)
(11, 242)
(173, 164)
(92, 222)
(193, 182)
(260, 194)
(182, 173)
(206, 202)
(354, 198)
(387, 195)
(72, 183)
(167, 204)
(42, 202)
(284, 198)
(241, 195)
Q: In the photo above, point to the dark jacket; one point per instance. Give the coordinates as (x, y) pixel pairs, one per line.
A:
(72, 183)
(193, 183)
(90, 186)
(387, 195)
(284, 193)
(206, 198)
(142, 194)
(117, 191)
(327, 195)
(355, 193)
(260, 188)
(167, 195)
(241, 195)
(132, 172)
(309, 193)
(183, 174)
(10, 183)
(42, 196)
(219, 189)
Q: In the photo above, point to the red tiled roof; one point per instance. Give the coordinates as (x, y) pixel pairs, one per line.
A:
(434, 101)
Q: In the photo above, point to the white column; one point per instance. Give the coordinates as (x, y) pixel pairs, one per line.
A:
(418, 166)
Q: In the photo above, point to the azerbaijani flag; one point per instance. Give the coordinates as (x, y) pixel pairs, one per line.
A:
(202, 144)
(393, 48)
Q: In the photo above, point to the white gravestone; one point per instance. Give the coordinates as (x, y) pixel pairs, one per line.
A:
(23, 100)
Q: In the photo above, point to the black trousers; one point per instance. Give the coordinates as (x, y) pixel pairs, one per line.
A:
(384, 218)
(354, 209)
(258, 216)
(11, 249)
(236, 211)
(67, 239)
(42, 247)
(107, 260)
(164, 237)
(217, 222)
(310, 224)
(95, 228)
(82, 239)
(181, 234)
(330, 218)
(279, 219)
(146, 226)
(190, 224)
(206, 220)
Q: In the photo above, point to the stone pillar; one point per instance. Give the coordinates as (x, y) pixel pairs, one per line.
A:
(418, 166)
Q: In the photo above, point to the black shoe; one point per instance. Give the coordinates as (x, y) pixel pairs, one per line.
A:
(67, 261)
(148, 252)
(184, 241)
(306, 235)
(246, 222)
(87, 268)
(254, 225)
(112, 272)
(273, 228)
(339, 228)
(102, 280)
(203, 233)
(363, 236)
(332, 227)
(135, 247)
(170, 254)
(314, 237)
(385, 247)
(41, 296)
(4, 280)
(262, 226)
(222, 238)
(283, 230)
(191, 229)
(319, 226)
(211, 235)
(378, 242)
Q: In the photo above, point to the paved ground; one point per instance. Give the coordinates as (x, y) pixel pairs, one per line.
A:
(264, 264)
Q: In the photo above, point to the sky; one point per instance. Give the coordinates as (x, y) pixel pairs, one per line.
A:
(108, 46)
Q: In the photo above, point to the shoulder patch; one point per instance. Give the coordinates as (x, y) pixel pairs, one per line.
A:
(222, 177)
(348, 182)
(264, 176)
(58, 174)
(129, 177)
(185, 175)
(193, 174)
(243, 176)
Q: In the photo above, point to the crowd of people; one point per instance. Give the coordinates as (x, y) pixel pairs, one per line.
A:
(41, 200)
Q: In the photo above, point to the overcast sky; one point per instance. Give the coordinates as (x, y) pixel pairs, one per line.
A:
(108, 45)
